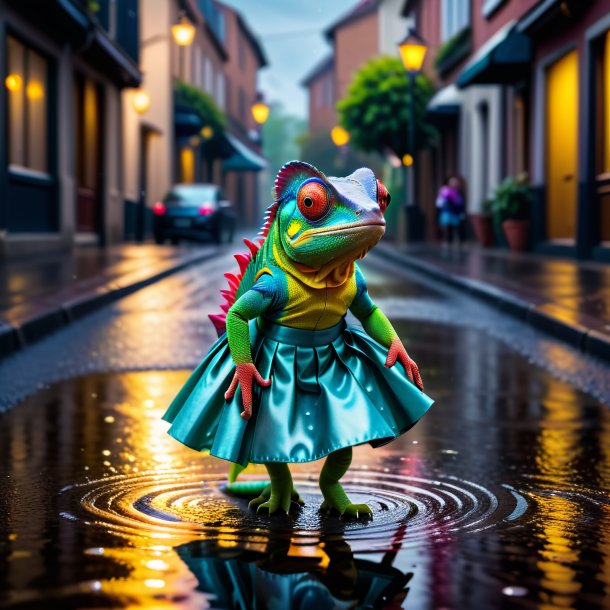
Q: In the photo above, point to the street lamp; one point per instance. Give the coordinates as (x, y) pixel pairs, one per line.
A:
(183, 31)
(339, 136)
(140, 101)
(412, 52)
(260, 110)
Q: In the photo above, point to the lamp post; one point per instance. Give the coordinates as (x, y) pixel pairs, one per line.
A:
(183, 34)
(412, 52)
(260, 114)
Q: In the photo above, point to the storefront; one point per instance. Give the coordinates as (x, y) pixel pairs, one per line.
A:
(62, 68)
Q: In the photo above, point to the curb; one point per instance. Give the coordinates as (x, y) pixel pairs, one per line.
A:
(15, 337)
(545, 317)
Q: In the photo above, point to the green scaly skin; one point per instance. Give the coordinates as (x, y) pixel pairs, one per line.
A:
(327, 248)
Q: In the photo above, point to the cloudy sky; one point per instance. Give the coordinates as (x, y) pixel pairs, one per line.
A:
(291, 34)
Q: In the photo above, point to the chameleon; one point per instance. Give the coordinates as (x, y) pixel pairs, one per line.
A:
(302, 273)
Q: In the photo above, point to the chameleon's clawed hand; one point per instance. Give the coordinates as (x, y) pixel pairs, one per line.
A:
(397, 351)
(244, 374)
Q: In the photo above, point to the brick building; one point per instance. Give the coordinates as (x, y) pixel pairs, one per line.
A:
(524, 86)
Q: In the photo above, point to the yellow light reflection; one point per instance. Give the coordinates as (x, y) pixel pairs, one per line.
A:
(34, 90)
(559, 449)
(13, 82)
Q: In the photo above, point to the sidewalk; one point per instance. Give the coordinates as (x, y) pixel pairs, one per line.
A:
(42, 293)
(568, 298)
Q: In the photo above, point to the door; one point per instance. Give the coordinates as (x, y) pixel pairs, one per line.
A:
(89, 130)
(562, 147)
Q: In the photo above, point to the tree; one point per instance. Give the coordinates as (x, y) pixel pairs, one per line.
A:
(376, 109)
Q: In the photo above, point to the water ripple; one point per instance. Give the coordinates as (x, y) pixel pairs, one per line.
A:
(186, 504)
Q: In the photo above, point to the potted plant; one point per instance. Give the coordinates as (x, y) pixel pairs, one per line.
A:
(482, 225)
(511, 208)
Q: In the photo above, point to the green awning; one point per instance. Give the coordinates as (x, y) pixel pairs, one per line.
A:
(243, 159)
(505, 58)
(446, 102)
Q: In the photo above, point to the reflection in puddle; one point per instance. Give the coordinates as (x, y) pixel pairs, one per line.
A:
(497, 500)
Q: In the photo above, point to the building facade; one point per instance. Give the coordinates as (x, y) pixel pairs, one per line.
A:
(240, 172)
(63, 68)
(523, 87)
(172, 141)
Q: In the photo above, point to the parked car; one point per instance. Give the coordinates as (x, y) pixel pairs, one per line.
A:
(194, 211)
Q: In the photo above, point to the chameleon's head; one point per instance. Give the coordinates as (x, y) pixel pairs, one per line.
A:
(322, 219)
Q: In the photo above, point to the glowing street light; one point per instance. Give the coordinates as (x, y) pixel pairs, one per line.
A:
(183, 32)
(413, 51)
(13, 82)
(141, 101)
(339, 136)
(260, 110)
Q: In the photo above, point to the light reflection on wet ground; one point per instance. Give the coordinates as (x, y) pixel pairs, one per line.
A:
(497, 499)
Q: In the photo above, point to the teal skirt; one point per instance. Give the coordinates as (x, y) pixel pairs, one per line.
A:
(329, 390)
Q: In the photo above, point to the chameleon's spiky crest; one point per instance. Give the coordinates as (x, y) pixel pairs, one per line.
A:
(243, 260)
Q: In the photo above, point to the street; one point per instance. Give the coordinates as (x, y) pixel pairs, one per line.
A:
(498, 498)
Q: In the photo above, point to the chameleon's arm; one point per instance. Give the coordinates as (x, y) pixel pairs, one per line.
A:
(377, 325)
(251, 304)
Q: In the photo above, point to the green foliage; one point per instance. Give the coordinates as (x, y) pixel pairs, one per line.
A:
(453, 49)
(512, 199)
(376, 109)
(201, 103)
(281, 136)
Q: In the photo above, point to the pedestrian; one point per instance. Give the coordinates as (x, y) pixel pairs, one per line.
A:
(306, 384)
(451, 207)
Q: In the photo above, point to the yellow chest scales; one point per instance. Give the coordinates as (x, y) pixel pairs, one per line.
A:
(317, 308)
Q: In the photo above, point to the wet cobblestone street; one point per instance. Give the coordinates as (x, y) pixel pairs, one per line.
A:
(498, 498)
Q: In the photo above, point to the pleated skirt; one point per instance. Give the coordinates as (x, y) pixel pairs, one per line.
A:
(329, 390)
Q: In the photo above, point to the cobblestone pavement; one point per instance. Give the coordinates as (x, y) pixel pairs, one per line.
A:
(497, 499)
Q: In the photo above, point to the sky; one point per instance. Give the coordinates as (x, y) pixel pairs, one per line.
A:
(291, 33)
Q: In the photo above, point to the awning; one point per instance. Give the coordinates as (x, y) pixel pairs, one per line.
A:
(505, 58)
(445, 102)
(186, 122)
(243, 158)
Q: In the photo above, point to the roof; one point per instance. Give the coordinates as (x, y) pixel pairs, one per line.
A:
(320, 68)
(248, 33)
(361, 9)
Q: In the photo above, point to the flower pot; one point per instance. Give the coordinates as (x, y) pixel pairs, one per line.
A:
(517, 234)
(482, 225)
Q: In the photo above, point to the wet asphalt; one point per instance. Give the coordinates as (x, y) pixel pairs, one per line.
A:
(498, 498)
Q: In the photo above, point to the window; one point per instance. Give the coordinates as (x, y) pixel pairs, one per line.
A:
(27, 84)
(220, 90)
(209, 76)
(455, 17)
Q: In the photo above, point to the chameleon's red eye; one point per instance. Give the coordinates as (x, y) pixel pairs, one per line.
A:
(383, 197)
(313, 200)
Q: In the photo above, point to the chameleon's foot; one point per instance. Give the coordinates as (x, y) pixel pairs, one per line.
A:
(280, 494)
(335, 500)
(265, 495)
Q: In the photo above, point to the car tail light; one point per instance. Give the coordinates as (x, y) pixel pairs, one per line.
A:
(159, 209)
(206, 209)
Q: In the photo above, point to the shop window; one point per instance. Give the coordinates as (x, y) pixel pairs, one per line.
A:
(455, 17)
(27, 85)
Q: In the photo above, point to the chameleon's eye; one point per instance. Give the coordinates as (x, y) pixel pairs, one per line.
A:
(313, 200)
(383, 197)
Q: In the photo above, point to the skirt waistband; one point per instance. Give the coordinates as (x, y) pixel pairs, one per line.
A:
(299, 336)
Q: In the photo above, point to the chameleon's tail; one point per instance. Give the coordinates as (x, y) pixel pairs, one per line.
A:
(245, 489)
